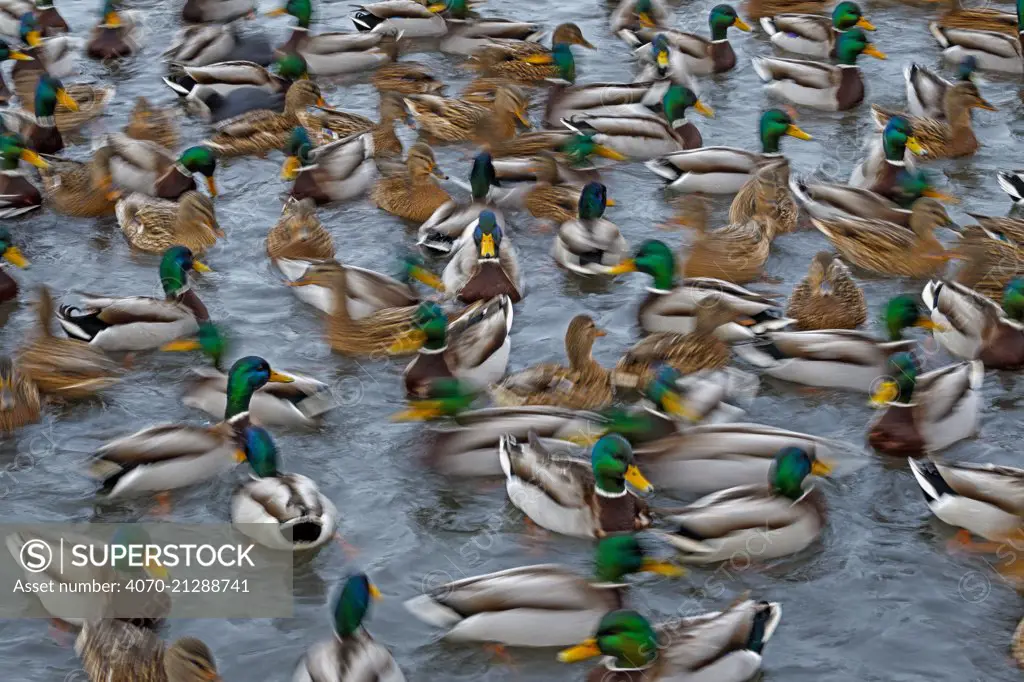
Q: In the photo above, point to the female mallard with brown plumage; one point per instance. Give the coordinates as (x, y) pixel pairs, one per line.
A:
(154, 225)
(20, 403)
(673, 306)
(990, 262)
(64, 368)
(688, 353)
(77, 188)
(979, 19)
(412, 193)
(475, 347)
(371, 335)
(405, 78)
(326, 124)
(444, 119)
(482, 267)
(889, 248)
(972, 326)
(583, 385)
(953, 137)
(549, 198)
(261, 131)
(828, 297)
(117, 35)
(117, 651)
(527, 61)
(590, 244)
(17, 194)
(572, 496)
(299, 234)
(153, 124)
(925, 412)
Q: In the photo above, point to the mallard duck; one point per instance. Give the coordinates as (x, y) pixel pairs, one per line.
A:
(208, 44)
(583, 385)
(17, 194)
(725, 645)
(117, 651)
(828, 297)
(78, 188)
(836, 358)
(12, 254)
(925, 412)
(19, 398)
(658, 58)
(889, 248)
(443, 230)
(475, 347)
(782, 517)
(724, 170)
(482, 266)
(527, 617)
(632, 15)
(814, 34)
(572, 496)
(140, 322)
(299, 402)
(11, 12)
(331, 124)
(990, 262)
(167, 456)
(589, 244)
(281, 511)
(48, 19)
(64, 368)
(414, 19)
(467, 34)
(153, 124)
(224, 90)
(146, 167)
(351, 651)
(926, 90)
(983, 499)
(972, 326)
(827, 199)
(299, 234)
(715, 55)
(697, 350)
(154, 225)
(821, 86)
(77, 105)
(370, 335)
(412, 194)
(735, 252)
(117, 35)
(756, 9)
(40, 131)
(57, 56)
(980, 18)
(452, 120)
(258, 132)
(548, 198)
(672, 306)
(336, 171)
(952, 137)
(217, 11)
(7, 53)
(889, 161)
(78, 607)
(994, 51)
(529, 61)
(405, 78)
(1004, 229)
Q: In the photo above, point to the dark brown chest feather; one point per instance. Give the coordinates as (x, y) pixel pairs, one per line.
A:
(1003, 349)
(722, 56)
(17, 191)
(307, 187)
(424, 368)
(690, 136)
(45, 140)
(489, 280)
(851, 89)
(172, 184)
(622, 514)
(896, 433)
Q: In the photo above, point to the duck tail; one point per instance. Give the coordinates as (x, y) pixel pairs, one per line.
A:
(1012, 184)
(664, 169)
(766, 619)
(768, 24)
(928, 477)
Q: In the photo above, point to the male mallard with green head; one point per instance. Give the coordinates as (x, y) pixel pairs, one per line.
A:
(925, 412)
(813, 34)
(590, 244)
(576, 497)
(41, 133)
(485, 265)
(117, 35)
(973, 326)
(146, 167)
(17, 194)
(702, 55)
(11, 254)
(451, 220)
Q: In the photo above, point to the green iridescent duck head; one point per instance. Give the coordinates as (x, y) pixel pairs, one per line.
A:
(300, 9)
(901, 377)
(663, 391)
(911, 185)
(298, 150)
(847, 15)
(482, 176)
(28, 30)
(677, 99)
(593, 201)
(722, 18)
(623, 635)
(175, 265)
(904, 312)
(967, 67)
(653, 258)
(412, 267)
(487, 235)
(1013, 299)
(454, 9)
(897, 137)
(580, 147)
(13, 151)
(133, 535)
(776, 124)
(352, 604)
(612, 460)
(209, 340)
(790, 467)
(617, 556)
(49, 93)
(9, 252)
(430, 330)
(259, 450)
(853, 43)
(246, 376)
(444, 398)
(291, 66)
(201, 160)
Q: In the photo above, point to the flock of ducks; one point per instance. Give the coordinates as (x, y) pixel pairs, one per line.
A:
(671, 408)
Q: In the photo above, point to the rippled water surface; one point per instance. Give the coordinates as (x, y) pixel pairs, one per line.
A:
(878, 598)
